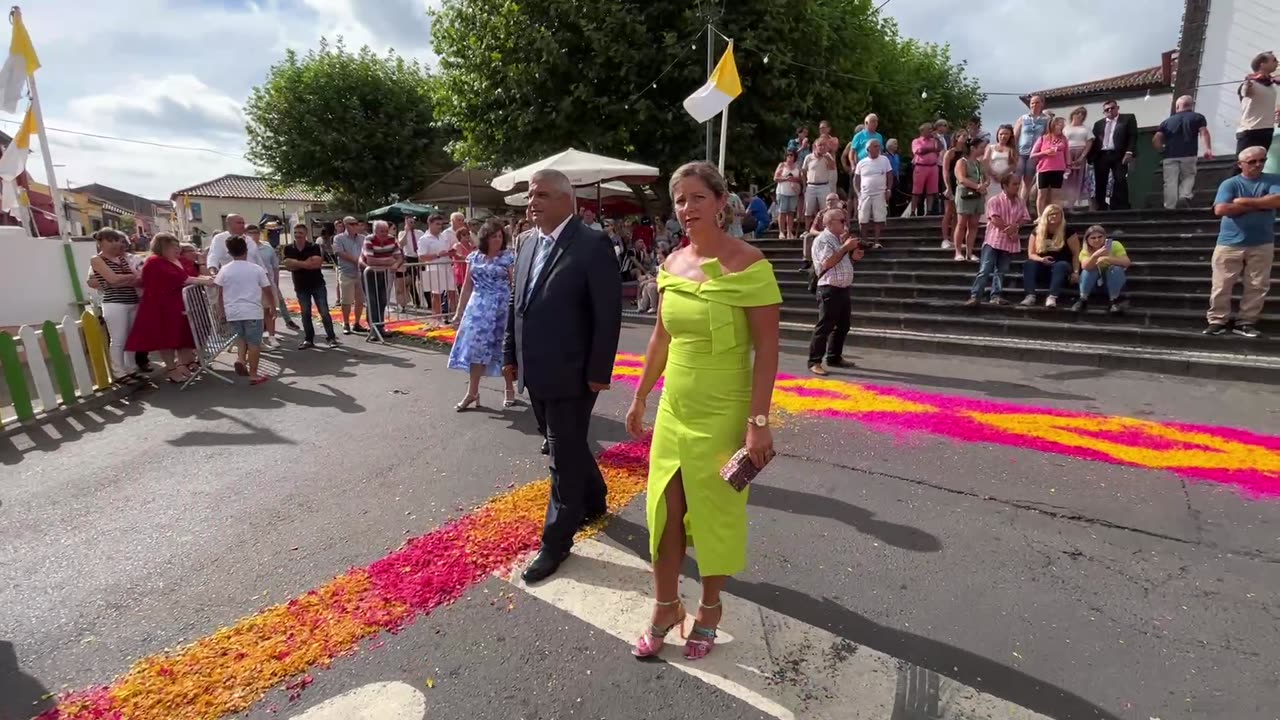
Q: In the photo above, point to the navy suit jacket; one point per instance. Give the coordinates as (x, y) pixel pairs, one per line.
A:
(563, 327)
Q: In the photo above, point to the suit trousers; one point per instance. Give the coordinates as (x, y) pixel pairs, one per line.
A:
(1110, 164)
(577, 486)
(832, 328)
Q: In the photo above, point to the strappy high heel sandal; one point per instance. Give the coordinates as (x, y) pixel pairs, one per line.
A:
(467, 402)
(701, 639)
(510, 400)
(650, 643)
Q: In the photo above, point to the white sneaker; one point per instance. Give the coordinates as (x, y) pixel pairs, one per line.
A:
(1051, 301)
(947, 245)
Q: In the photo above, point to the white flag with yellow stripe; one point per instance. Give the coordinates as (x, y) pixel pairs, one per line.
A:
(22, 62)
(721, 88)
(14, 162)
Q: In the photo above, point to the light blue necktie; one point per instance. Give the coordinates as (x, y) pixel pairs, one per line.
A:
(535, 273)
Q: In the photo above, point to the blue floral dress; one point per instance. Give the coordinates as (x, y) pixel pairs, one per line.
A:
(484, 322)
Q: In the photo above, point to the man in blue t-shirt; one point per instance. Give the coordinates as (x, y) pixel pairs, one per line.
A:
(1178, 138)
(1247, 204)
(758, 209)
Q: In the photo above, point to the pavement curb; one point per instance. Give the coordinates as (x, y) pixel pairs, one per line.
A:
(1190, 364)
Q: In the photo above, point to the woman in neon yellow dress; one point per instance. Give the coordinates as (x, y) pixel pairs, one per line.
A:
(719, 301)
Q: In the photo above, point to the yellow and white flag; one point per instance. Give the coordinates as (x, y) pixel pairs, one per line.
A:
(22, 61)
(721, 88)
(14, 162)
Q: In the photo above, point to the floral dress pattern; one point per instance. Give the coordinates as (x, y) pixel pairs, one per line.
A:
(484, 322)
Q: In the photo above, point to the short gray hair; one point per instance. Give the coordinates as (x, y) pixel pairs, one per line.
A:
(1255, 150)
(457, 216)
(830, 213)
(553, 179)
(380, 223)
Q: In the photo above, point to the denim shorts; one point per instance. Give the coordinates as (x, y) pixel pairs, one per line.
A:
(249, 330)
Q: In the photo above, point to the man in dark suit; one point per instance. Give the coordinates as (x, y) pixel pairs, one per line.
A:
(562, 334)
(1115, 139)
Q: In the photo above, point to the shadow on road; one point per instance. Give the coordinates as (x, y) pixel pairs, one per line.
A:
(864, 521)
(976, 671)
(66, 426)
(21, 695)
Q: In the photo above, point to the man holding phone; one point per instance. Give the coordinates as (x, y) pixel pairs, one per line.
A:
(834, 252)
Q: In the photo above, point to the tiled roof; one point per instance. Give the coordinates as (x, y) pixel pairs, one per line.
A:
(1151, 78)
(252, 188)
(108, 206)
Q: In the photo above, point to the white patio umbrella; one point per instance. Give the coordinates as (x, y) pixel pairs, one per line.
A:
(609, 189)
(582, 168)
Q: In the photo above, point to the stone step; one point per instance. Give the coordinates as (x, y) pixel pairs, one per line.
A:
(877, 261)
(1092, 329)
(1205, 241)
(1141, 297)
(933, 253)
(1142, 310)
(1231, 360)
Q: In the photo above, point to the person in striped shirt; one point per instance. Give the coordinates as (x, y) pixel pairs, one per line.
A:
(381, 252)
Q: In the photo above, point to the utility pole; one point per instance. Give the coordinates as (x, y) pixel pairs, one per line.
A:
(710, 67)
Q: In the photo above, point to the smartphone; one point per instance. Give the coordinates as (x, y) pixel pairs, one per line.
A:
(1107, 245)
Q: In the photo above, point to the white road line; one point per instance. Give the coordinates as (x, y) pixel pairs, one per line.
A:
(777, 664)
(375, 701)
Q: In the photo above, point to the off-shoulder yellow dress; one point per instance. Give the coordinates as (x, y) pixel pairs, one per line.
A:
(706, 401)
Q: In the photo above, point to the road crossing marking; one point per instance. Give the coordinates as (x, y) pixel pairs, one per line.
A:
(779, 665)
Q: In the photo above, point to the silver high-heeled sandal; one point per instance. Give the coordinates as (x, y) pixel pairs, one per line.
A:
(467, 402)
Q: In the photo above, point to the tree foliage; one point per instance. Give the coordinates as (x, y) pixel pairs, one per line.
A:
(357, 124)
(521, 79)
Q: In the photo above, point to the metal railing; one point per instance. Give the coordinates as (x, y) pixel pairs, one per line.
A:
(420, 292)
(212, 337)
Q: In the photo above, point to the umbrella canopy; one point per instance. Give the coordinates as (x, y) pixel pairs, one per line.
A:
(583, 168)
(460, 187)
(607, 190)
(400, 211)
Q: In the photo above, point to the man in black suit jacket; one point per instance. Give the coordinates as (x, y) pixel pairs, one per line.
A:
(1115, 140)
(562, 335)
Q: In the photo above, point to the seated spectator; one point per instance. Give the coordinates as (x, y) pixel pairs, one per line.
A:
(1005, 212)
(759, 210)
(1050, 252)
(1102, 263)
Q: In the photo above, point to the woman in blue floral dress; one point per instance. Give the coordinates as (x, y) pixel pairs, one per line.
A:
(482, 308)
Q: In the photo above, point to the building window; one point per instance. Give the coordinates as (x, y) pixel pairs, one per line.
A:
(97, 224)
(196, 213)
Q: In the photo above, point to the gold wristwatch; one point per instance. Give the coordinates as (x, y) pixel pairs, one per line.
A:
(758, 420)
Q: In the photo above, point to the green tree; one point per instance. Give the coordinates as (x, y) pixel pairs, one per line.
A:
(357, 124)
(523, 79)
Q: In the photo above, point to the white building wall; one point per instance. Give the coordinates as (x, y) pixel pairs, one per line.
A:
(39, 288)
(213, 210)
(1149, 112)
(1237, 31)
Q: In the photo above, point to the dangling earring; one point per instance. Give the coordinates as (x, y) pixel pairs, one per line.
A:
(720, 218)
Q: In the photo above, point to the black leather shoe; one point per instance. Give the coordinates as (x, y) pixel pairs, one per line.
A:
(546, 448)
(543, 566)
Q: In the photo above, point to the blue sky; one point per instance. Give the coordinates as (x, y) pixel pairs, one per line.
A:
(178, 71)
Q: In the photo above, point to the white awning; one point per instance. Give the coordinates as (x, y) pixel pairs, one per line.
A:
(582, 168)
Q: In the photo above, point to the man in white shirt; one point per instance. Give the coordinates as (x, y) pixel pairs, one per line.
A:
(875, 181)
(589, 219)
(819, 177)
(218, 255)
(246, 292)
(408, 279)
(434, 251)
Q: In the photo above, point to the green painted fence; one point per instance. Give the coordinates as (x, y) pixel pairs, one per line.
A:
(57, 365)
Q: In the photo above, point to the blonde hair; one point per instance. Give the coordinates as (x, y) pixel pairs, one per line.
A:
(1059, 240)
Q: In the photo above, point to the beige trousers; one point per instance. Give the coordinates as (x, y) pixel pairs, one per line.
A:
(1249, 265)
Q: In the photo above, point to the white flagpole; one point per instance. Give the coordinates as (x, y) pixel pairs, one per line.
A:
(724, 135)
(724, 126)
(59, 211)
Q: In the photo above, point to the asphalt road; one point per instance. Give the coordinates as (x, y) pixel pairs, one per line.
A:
(1071, 588)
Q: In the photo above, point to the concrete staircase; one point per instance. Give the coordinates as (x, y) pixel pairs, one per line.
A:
(910, 296)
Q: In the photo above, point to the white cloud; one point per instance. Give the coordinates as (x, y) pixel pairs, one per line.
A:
(178, 71)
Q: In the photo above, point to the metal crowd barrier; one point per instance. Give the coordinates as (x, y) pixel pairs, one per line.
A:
(413, 294)
(211, 337)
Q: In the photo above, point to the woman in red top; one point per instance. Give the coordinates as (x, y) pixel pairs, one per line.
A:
(161, 324)
(461, 249)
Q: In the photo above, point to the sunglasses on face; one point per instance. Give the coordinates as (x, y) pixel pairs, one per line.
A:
(1258, 161)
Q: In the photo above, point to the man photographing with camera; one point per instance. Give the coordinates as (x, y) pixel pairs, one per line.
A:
(835, 250)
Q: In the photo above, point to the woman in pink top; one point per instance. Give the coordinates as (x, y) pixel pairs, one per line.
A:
(1050, 152)
(924, 167)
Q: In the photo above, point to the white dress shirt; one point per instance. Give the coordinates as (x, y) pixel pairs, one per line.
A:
(1109, 134)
